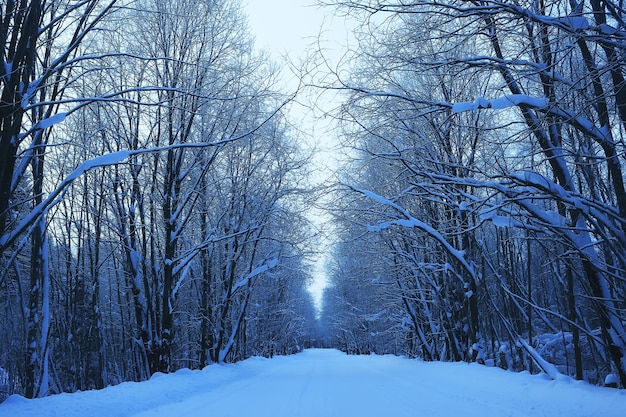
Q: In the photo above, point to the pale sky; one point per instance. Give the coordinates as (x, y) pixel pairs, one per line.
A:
(288, 28)
(284, 25)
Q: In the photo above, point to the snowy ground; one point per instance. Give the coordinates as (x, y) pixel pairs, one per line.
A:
(328, 383)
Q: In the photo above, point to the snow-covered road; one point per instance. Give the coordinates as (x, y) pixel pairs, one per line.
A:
(328, 383)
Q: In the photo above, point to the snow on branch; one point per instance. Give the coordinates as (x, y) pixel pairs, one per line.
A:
(522, 187)
(410, 221)
(263, 267)
(510, 100)
(500, 221)
(545, 366)
(602, 135)
(51, 121)
(109, 159)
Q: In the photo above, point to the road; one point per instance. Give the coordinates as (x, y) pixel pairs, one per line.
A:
(328, 383)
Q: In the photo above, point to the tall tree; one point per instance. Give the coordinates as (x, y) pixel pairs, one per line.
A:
(542, 91)
(149, 159)
(41, 55)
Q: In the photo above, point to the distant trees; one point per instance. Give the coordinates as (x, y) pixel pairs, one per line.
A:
(499, 128)
(146, 185)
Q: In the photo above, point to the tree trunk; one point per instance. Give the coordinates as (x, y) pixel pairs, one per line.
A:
(38, 315)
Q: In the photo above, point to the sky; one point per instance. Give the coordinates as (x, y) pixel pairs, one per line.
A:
(324, 382)
(288, 29)
(284, 26)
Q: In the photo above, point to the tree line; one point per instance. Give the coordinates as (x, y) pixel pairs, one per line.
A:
(482, 213)
(150, 187)
(152, 190)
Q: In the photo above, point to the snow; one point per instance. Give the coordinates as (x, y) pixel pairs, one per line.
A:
(547, 367)
(322, 382)
(574, 23)
(500, 103)
(264, 267)
(608, 30)
(611, 379)
(499, 221)
(51, 121)
(411, 222)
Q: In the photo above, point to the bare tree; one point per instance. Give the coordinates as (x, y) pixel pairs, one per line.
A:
(120, 144)
(38, 64)
(542, 90)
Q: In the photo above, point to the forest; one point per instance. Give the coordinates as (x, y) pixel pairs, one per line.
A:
(154, 193)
